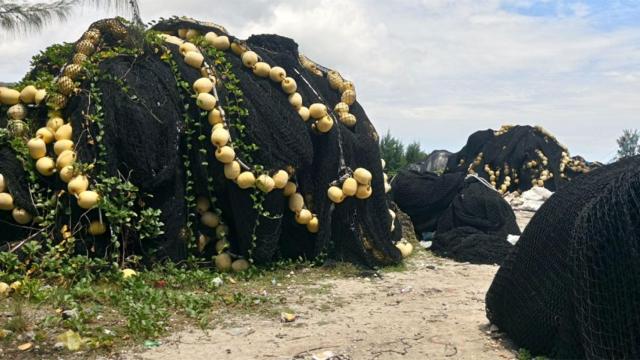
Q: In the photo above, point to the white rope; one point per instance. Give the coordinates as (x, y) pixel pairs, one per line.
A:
(482, 181)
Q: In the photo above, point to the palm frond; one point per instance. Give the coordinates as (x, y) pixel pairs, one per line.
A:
(125, 7)
(24, 17)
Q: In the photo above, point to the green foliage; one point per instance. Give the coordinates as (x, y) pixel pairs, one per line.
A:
(628, 144)
(119, 203)
(23, 16)
(51, 58)
(524, 354)
(397, 156)
(414, 154)
(233, 105)
(392, 151)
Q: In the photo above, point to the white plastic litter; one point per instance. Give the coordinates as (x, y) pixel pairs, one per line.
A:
(426, 244)
(530, 200)
(537, 194)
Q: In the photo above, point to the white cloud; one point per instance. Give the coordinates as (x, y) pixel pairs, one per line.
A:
(437, 70)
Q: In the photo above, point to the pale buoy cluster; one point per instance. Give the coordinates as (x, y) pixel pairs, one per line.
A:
(337, 82)
(16, 114)
(221, 137)
(357, 185)
(18, 102)
(58, 136)
(234, 169)
(537, 167)
(405, 247)
(52, 147)
(347, 97)
(53, 150)
(19, 215)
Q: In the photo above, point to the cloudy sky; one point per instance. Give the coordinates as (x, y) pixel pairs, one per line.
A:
(434, 71)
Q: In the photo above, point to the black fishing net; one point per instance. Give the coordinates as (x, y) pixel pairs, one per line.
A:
(436, 162)
(16, 184)
(145, 141)
(475, 226)
(571, 287)
(425, 196)
(470, 219)
(517, 157)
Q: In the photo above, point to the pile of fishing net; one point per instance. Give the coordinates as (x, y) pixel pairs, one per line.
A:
(146, 146)
(465, 218)
(571, 286)
(435, 162)
(516, 158)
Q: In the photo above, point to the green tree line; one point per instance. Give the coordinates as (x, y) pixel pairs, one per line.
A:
(398, 155)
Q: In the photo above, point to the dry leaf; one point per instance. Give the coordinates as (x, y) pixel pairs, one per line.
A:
(25, 346)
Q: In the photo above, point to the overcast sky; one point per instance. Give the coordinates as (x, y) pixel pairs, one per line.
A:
(434, 71)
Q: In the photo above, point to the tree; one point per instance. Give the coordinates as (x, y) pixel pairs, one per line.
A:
(28, 16)
(392, 151)
(628, 143)
(414, 154)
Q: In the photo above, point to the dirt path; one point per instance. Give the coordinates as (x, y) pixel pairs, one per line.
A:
(433, 310)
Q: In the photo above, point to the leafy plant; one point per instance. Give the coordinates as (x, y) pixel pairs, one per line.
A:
(628, 143)
(392, 151)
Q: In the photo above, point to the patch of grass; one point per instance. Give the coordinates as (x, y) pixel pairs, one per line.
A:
(17, 323)
(394, 268)
(524, 354)
(109, 312)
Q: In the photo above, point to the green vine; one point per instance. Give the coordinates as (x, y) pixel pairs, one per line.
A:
(233, 104)
(119, 195)
(190, 126)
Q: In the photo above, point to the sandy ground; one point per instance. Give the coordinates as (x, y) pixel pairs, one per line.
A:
(433, 310)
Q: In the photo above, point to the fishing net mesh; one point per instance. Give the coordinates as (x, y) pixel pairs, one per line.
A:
(145, 141)
(570, 288)
(470, 219)
(518, 157)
